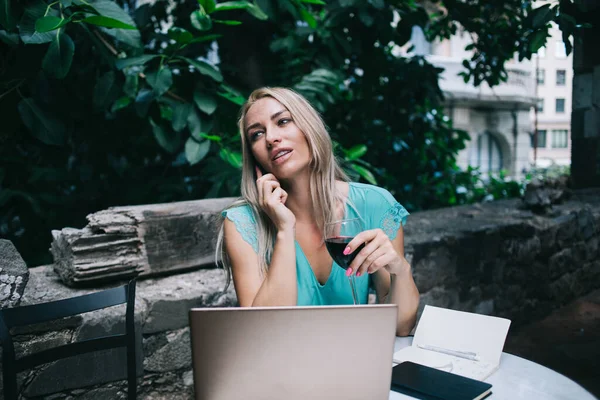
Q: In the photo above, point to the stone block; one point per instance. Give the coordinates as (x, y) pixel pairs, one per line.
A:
(174, 355)
(591, 121)
(104, 393)
(13, 275)
(592, 248)
(94, 368)
(561, 290)
(568, 229)
(169, 303)
(485, 307)
(30, 344)
(561, 263)
(582, 91)
(439, 297)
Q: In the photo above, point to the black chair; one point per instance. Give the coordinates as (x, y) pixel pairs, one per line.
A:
(38, 313)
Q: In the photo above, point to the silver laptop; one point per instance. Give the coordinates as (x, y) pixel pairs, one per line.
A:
(293, 353)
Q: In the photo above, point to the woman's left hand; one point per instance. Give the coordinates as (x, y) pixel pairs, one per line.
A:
(378, 252)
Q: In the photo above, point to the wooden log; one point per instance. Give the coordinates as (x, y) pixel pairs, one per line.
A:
(146, 240)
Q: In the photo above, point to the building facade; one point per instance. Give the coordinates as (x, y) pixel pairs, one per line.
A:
(554, 72)
(497, 119)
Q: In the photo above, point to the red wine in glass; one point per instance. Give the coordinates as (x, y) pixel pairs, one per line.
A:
(337, 236)
(336, 246)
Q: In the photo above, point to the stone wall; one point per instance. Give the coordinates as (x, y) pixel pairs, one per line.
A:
(493, 259)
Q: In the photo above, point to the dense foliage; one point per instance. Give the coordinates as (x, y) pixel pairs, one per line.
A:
(108, 102)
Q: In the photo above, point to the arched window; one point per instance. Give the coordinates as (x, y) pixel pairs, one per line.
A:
(486, 153)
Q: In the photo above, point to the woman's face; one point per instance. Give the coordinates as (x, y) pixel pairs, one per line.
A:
(276, 142)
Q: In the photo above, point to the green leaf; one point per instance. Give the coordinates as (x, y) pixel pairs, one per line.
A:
(35, 11)
(356, 152)
(166, 111)
(257, 13)
(195, 152)
(131, 85)
(542, 15)
(50, 23)
(269, 7)
(567, 42)
(208, 5)
(232, 5)
(11, 39)
(139, 60)
(8, 20)
(205, 68)
(205, 38)
(59, 56)
(110, 9)
(181, 113)
(212, 138)
(200, 20)
(232, 95)
(180, 35)
(227, 22)
(120, 104)
(43, 125)
(143, 101)
(105, 91)
(107, 22)
(537, 40)
(319, 2)
(205, 102)
(308, 17)
(168, 142)
(378, 4)
(365, 174)
(195, 124)
(231, 157)
(161, 80)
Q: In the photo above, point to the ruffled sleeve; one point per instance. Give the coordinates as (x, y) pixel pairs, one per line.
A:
(245, 224)
(387, 213)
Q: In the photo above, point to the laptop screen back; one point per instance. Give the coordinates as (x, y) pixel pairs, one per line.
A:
(293, 353)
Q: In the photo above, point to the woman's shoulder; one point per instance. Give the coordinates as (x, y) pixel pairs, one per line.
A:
(238, 210)
(372, 193)
(243, 218)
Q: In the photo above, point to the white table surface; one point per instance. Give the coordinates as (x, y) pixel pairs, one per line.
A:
(518, 378)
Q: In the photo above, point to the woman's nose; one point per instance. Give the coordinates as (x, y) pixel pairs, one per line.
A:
(272, 137)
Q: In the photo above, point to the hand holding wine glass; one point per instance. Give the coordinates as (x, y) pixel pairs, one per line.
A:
(338, 235)
(372, 250)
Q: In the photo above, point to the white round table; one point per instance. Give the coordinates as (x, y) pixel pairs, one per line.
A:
(518, 378)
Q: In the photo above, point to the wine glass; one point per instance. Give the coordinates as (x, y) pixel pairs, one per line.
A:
(337, 236)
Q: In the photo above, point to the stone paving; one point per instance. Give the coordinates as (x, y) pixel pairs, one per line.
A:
(567, 341)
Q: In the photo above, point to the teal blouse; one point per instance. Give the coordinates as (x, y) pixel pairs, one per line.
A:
(377, 208)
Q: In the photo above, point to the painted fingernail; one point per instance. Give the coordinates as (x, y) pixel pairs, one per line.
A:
(347, 251)
(358, 274)
(349, 272)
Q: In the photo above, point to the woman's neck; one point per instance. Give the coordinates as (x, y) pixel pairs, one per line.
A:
(299, 199)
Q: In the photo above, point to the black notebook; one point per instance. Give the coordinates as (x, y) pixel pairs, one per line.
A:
(427, 383)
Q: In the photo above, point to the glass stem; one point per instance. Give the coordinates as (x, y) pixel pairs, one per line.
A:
(352, 286)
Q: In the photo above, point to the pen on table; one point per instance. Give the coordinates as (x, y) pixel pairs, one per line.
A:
(469, 355)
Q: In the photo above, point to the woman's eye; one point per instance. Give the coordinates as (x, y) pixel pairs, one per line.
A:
(254, 135)
(284, 121)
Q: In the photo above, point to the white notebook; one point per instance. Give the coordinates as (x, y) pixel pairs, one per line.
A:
(462, 343)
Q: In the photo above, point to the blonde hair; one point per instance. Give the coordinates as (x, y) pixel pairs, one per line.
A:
(324, 168)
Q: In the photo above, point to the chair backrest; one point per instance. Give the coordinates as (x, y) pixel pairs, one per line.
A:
(38, 313)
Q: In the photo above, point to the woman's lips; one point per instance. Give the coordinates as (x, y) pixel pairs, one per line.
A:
(283, 158)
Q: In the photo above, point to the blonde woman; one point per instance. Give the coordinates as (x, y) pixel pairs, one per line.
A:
(271, 240)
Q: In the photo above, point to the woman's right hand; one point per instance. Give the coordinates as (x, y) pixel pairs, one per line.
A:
(271, 198)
